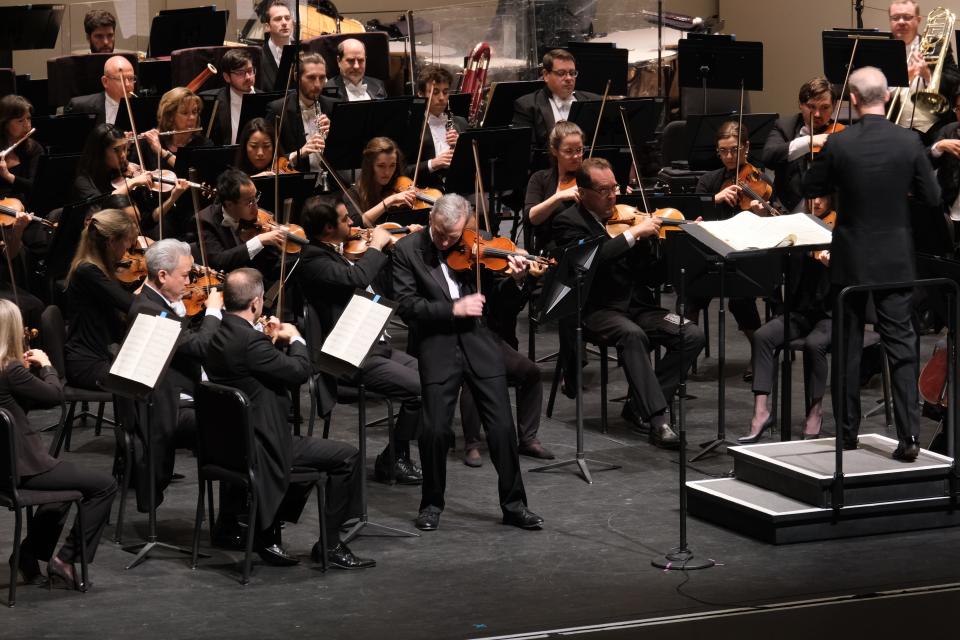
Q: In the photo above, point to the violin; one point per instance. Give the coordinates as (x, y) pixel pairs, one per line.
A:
(163, 181)
(494, 253)
(834, 127)
(10, 207)
(202, 280)
(752, 187)
(296, 236)
(359, 239)
(625, 216)
(283, 166)
(133, 266)
(425, 197)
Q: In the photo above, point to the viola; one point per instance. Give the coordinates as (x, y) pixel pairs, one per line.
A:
(163, 181)
(202, 280)
(494, 254)
(425, 197)
(359, 239)
(752, 187)
(10, 207)
(296, 236)
(133, 266)
(624, 216)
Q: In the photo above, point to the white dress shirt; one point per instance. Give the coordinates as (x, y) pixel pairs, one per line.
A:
(236, 101)
(275, 50)
(438, 131)
(110, 107)
(356, 92)
(561, 108)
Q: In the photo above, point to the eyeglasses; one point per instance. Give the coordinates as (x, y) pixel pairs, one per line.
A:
(606, 192)
(250, 71)
(904, 17)
(572, 152)
(252, 202)
(563, 73)
(726, 152)
(127, 79)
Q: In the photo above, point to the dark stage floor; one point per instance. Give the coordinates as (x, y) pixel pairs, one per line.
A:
(475, 577)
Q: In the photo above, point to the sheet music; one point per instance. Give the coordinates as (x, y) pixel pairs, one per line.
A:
(746, 230)
(146, 349)
(358, 328)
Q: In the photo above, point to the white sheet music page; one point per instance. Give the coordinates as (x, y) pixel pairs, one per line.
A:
(358, 328)
(146, 349)
(746, 230)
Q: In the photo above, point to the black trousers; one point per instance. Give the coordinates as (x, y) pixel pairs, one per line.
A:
(901, 344)
(523, 374)
(816, 344)
(394, 374)
(493, 405)
(743, 310)
(98, 490)
(635, 335)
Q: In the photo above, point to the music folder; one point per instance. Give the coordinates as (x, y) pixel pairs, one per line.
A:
(359, 328)
(144, 355)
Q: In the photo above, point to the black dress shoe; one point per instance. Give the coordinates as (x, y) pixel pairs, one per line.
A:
(404, 471)
(634, 419)
(907, 451)
(754, 438)
(228, 535)
(535, 450)
(342, 558)
(849, 445)
(276, 556)
(427, 520)
(471, 458)
(664, 437)
(524, 518)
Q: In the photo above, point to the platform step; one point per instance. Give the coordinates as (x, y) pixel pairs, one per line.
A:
(803, 471)
(778, 519)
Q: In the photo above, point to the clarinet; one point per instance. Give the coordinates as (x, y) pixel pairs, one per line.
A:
(322, 177)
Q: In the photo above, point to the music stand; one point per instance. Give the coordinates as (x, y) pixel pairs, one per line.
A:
(460, 104)
(298, 186)
(718, 62)
(353, 124)
(642, 114)
(598, 61)
(64, 134)
(500, 98)
(144, 113)
(56, 174)
(28, 27)
(875, 49)
(702, 136)
(565, 290)
(209, 162)
(183, 29)
(254, 105)
(66, 236)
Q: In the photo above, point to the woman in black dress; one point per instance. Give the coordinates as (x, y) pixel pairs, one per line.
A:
(19, 168)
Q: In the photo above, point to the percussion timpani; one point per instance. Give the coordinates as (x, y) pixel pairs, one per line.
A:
(641, 46)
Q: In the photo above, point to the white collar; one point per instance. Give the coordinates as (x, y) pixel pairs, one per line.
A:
(110, 102)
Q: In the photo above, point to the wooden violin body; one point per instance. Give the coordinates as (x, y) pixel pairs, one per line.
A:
(133, 266)
(624, 216)
(10, 207)
(201, 282)
(752, 187)
(359, 240)
(425, 197)
(296, 236)
(494, 254)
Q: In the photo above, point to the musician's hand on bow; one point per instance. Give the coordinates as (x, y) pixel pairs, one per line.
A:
(729, 196)
(951, 146)
(442, 161)
(820, 139)
(470, 306)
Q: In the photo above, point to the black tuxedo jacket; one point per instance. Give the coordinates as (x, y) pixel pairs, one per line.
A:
(293, 136)
(874, 165)
(267, 74)
(789, 175)
(533, 110)
(427, 308)
(93, 103)
(624, 274)
(948, 167)
(222, 127)
(435, 179)
(224, 249)
(242, 357)
(374, 87)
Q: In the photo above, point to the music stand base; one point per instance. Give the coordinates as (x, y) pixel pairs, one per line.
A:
(681, 560)
(144, 548)
(581, 463)
(363, 522)
(709, 447)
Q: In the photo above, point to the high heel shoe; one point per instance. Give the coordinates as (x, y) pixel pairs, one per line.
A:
(59, 572)
(751, 439)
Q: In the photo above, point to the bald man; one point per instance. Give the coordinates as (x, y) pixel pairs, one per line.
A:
(352, 84)
(118, 74)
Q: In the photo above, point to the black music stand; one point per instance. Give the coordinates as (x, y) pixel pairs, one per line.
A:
(719, 62)
(64, 134)
(144, 114)
(297, 186)
(566, 290)
(598, 61)
(405, 217)
(353, 124)
(500, 98)
(875, 49)
(702, 136)
(183, 29)
(209, 162)
(460, 104)
(28, 27)
(66, 236)
(642, 114)
(254, 105)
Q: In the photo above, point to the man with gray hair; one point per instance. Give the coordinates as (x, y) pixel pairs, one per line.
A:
(169, 263)
(874, 165)
(445, 313)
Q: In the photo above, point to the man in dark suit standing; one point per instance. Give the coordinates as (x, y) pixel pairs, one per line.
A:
(544, 108)
(328, 281)
(168, 272)
(305, 123)
(240, 75)
(117, 76)
(874, 165)
(240, 356)
(277, 29)
(444, 128)
(353, 84)
(445, 314)
(621, 307)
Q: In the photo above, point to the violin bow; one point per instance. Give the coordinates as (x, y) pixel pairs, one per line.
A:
(336, 178)
(196, 214)
(736, 172)
(423, 132)
(482, 202)
(136, 144)
(596, 129)
(287, 207)
(633, 157)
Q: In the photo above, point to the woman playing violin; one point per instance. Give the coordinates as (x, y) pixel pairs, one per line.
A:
(552, 190)
(374, 192)
(179, 110)
(255, 148)
(722, 183)
(19, 168)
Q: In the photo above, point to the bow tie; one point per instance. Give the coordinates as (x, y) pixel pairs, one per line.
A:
(356, 89)
(179, 308)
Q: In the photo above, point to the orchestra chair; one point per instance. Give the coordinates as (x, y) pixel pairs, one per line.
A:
(226, 453)
(53, 337)
(16, 500)
(604, 352)
(78, 75)
(673, 142)
(186, 64)
(8, 81)
(377, 44)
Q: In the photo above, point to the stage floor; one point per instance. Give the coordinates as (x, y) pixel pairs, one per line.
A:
(476, 577)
